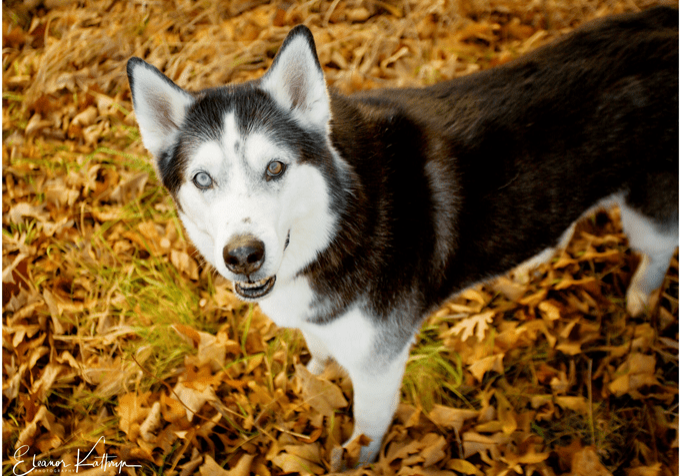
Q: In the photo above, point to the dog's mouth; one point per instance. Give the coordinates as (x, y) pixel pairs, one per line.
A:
(252, 291)
(256, 290)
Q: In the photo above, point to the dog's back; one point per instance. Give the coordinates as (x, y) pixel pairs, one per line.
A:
(505, 160)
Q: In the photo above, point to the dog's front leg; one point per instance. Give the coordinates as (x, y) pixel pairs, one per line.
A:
(376, 386)
(320, 354)
(375, 358)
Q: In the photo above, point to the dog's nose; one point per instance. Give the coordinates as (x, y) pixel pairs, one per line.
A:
(244, 254)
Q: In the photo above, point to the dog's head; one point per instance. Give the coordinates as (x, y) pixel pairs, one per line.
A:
(250, 166)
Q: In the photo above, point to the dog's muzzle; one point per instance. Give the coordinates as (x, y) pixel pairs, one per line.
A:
(244, 255)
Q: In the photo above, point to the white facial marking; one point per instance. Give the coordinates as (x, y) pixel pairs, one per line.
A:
(293, 207)
(209, 159)
(259, 150)
(231, 136)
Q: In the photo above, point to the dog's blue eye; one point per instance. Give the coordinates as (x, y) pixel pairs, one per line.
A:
(275, 169)
(203, 181)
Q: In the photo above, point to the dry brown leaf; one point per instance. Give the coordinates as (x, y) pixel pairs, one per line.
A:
(636, 372)
(653, 470)
(493, 363)
(172, 409)
(463, 466)
(450, 417)
(243, 466)
(193, 397)
(570, 348)
(212, 349)
(46, 420)
(322, 395)
(466, 327)
(130, 187)
(585, 462)
(211, 468)
(433, 449)
(131, 412)
(151, 423)
(550, 311)
(403, 451)
(531, 457)
(578, 404)
(185, 264)
(476, 443)
(24, 209)
(475, 295)
(190, 334)
(292, 463)
(189, 468)
(509, 288)
(44, 383)
(54, 312)
(505, 414)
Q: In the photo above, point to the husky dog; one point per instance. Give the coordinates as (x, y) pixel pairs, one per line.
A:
(354, 217)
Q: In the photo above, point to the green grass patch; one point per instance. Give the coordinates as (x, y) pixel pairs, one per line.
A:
(433, 373)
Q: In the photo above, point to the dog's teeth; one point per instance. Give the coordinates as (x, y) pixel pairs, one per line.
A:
(256, 284)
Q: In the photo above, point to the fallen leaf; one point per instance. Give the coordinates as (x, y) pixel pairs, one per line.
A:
(131, 412)
(578, 404)
(653, 470)
(211, 468)
(448, 417)
(433, 449)
(482, 366)
(505, 414)
(476, 443)
(480, 322)
(462, 466)
(585, 462)
(637, 371)
(193, 398)
(185, 264)
(290, 463)
(151, 422)
(322, 395)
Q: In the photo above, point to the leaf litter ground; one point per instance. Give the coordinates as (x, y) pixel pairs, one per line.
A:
(120, 341)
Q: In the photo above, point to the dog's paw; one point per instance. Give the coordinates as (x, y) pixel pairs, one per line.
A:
(316, 366)
(362, 449)
(369, 453)
(637, 301)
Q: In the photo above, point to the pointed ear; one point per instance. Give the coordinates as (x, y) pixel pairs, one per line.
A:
(296, 81)
(160, 105)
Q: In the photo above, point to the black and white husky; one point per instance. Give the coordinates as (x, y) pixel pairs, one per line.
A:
(353, 217)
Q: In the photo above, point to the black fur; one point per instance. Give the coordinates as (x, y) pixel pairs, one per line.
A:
(587, 116)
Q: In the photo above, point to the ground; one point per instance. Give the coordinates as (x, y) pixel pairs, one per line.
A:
(119, 341)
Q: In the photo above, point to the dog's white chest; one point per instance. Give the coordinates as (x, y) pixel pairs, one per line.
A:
(289, 305)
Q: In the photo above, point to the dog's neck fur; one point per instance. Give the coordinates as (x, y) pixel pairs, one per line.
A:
(363, 240)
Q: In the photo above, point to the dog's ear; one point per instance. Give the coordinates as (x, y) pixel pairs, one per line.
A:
(296, 81)
(160, 105)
